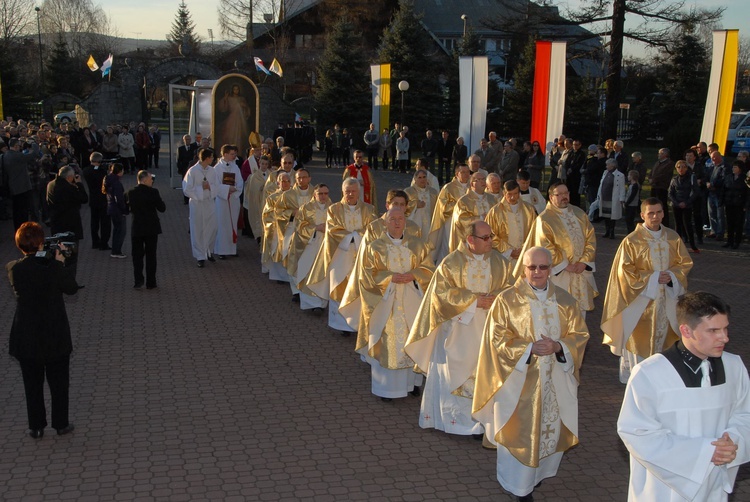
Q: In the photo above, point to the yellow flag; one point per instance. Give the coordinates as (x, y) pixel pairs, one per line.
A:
(276, 68)
(92, 64)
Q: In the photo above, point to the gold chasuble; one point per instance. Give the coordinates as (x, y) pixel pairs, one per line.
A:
(469, 208)
(458, 280)
(270, 247)
(569, 236)
(639, 313)
(528, 403)
(271, 185)
(254, 201)
(422, 216)
(443, 213)
(510, 227)
(388, 309)
(344, 228)
(309, 216)
(284, 210)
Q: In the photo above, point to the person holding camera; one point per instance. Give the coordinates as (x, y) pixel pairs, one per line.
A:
(65, 194)
(42, 343)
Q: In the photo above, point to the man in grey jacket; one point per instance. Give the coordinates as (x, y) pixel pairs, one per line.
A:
(15, 166)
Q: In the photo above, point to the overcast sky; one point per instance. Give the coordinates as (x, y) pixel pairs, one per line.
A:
(152, 19)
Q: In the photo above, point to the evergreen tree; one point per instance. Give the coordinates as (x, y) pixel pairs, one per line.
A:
(183, 39)
(343, 93)
(518, 100)
(581, 105)
(408, 48)
(59, 68)
(470, 45)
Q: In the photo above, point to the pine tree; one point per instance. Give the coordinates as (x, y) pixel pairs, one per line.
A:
(61, 64)
(343, 92)
(518, 100)
(409, 49)
(182, 39)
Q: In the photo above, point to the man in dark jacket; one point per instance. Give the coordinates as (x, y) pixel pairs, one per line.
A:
(101, 224)
(144, 201)
(65, 194)
(661, 177)
(16, 166)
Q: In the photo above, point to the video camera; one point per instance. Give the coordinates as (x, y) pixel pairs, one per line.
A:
(52, 244)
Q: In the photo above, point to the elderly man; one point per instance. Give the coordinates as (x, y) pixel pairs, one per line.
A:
(396, 270)
(306, 242)
(16, 165)
(274, 230)
(685, 418)
(287, 165)
(510, 220)
(475, 165)
(509, 163)
(494, 187)
(648, 274)
(346, 221)
(566, 232)
(143, 203)
(254, 199)
(439, 236)
(471, 207)
(422, 201)
(65, 194)
(488, 158)
(361, 172)
(445, 338)
(527, 376)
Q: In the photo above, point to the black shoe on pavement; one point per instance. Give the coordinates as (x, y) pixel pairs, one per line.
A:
(416, 392)
(66, 430)
(211, 258)
(36, 433)
(295, 298)
(201, 263)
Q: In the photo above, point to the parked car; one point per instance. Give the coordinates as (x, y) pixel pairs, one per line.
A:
(63, 117)
(737, 121)
(741, 140)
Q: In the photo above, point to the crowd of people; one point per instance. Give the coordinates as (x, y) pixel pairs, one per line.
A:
(471, 289)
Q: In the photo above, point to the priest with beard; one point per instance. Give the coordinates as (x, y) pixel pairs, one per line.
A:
(395, 272)
(306, 242)
(447, 333)
(346, 221)
(440, 228)
(648, 274)
(471, 207)
(527, 376)
(566, 232)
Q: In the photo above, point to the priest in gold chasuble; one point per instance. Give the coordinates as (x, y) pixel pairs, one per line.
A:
(345, 223)
(395, 272)
(648, 274)
(271, 247)
(422, 200)
(442, 216)
(471, 207)
(447, 333)
(306, 242)
(566, 232)
(510, 220)
(286, 210)
(254, 200)
(528, 374)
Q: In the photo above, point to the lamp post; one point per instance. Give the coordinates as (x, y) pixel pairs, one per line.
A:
(403, 86)
(41, 62)
(464, 17)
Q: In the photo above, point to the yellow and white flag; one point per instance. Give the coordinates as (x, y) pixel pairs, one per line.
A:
(381, 95)
(721, 87)
(92, 64)
(276, 68)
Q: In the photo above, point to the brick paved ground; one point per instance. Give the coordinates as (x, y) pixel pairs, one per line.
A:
(215, 386)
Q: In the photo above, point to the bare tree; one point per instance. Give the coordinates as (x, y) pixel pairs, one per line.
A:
(16, 18)
(83, 22)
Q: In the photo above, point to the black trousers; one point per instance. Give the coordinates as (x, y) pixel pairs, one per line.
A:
(735, 223)
(144, 246)
(684, 224)
(58, 379)
(21, 206)
(101, 227)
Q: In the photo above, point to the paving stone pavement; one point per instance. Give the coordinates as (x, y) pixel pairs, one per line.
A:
(215, 386)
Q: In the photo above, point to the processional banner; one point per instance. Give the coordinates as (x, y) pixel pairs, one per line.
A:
(721, 86)
(548, 103)
(381, 95)
(473, 74)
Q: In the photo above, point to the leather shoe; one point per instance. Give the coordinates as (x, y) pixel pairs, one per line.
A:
(317, 311)
(138, 285)
(221, 257)
(151, 286)
(36, 433)
(348, 333)
(66, 430)
(295, 298)
(416, 392)
(526, 498)
(478, 437)
(386, 399)
(211, 258)
(201, 263)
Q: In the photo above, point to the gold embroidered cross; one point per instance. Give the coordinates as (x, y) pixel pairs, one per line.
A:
(549, 430)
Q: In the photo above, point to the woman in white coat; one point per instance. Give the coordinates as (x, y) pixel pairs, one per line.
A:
(611, 197)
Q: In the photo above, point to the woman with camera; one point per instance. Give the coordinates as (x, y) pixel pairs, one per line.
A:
(42, 343)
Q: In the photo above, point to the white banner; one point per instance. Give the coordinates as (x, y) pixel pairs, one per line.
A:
(473, 77)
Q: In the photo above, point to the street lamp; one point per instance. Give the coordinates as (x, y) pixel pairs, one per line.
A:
(464, 17)
(41, 62)
(403, 86)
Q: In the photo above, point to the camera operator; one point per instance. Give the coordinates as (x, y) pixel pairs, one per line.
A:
(40, 340)
(65, 194)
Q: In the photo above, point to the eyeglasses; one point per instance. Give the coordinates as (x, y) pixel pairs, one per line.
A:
(534, 268)
(485, 238)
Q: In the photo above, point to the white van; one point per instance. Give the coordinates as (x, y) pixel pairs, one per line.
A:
(738, 120)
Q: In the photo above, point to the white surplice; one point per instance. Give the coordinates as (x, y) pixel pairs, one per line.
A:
(202, 208)
(227, 208)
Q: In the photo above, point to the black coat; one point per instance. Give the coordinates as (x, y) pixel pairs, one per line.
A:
(144, 201)
(734, 191)
(65, 201)
(40, 329)
(94, 176)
